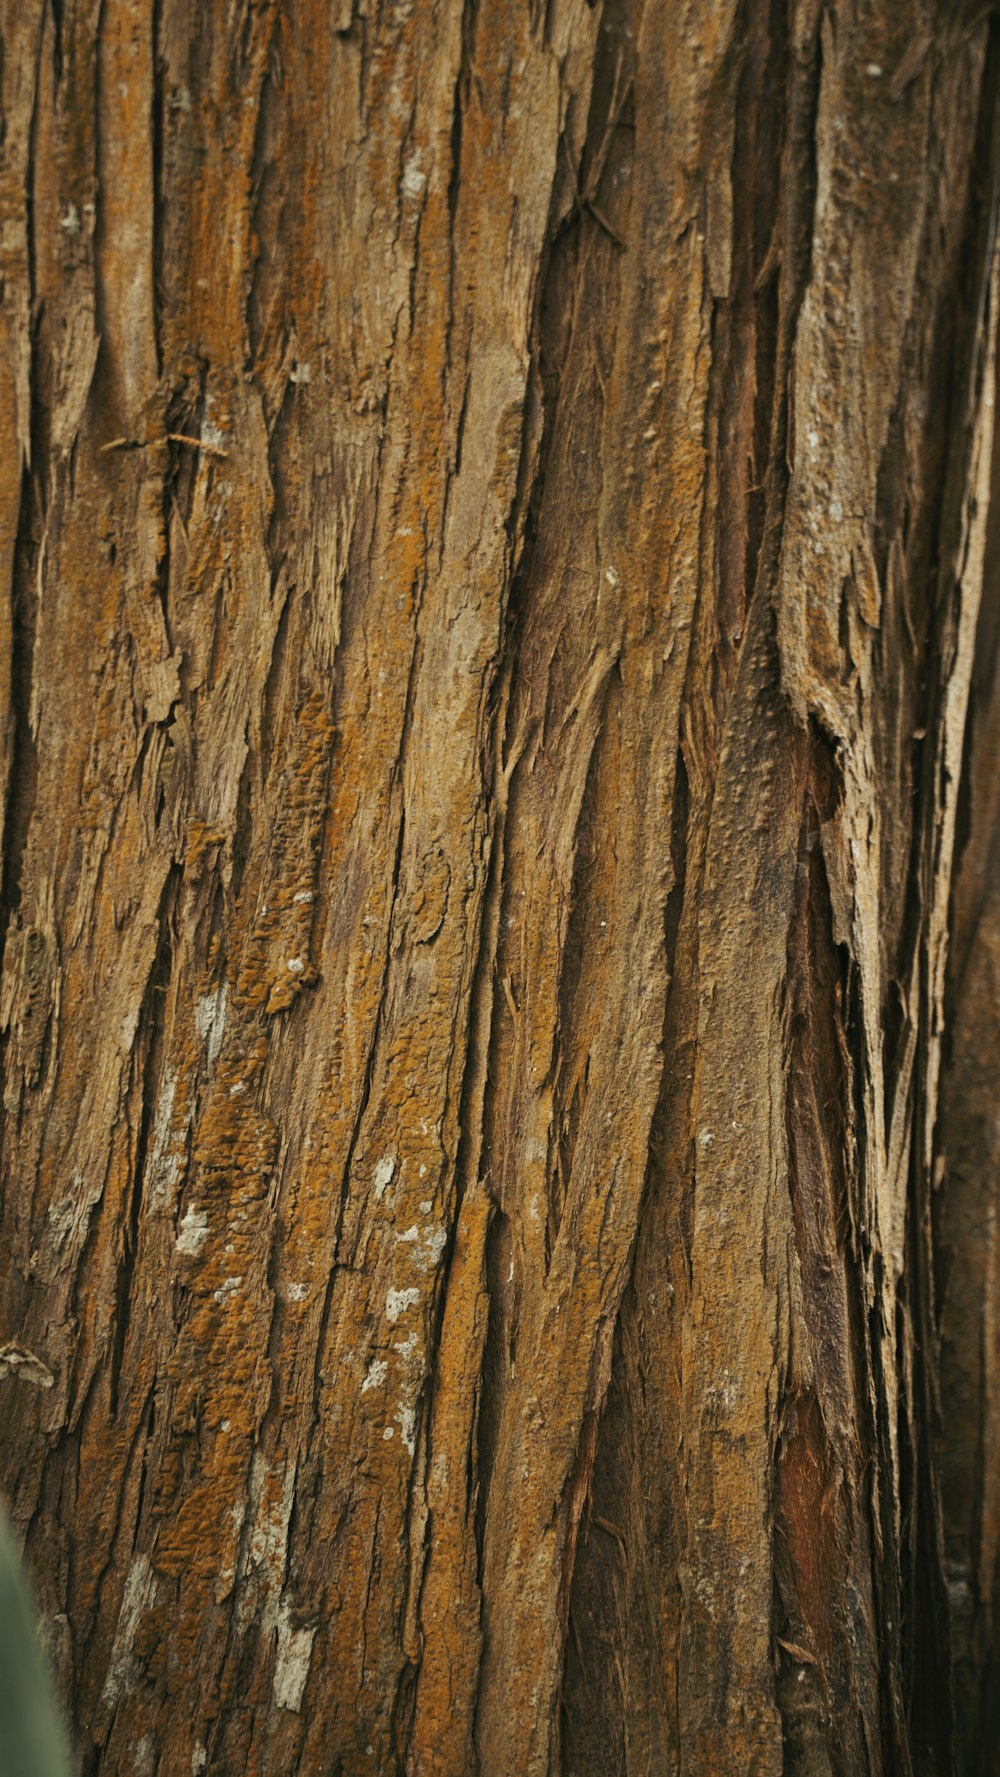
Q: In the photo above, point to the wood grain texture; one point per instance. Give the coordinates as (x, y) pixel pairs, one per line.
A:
(498, 531)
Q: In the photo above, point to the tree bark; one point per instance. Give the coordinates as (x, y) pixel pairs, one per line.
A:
(499, 598)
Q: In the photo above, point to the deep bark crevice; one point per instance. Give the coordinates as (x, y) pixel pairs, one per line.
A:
(148, 1053)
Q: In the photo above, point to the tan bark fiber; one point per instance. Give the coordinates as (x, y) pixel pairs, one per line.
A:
(500, 784)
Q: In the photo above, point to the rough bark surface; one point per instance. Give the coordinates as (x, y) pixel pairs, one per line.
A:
(499, 600)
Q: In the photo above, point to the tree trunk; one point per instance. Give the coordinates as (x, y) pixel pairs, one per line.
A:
(500, 1233)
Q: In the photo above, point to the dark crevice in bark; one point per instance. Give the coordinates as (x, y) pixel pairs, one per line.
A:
(20, 787)
(926, 1610)
(474, 1094)
(923, 516)
(611, 1608)
(963, 1231)
(800, 169)
(19, 790)
(927, 1653)
(607, 1581)
(617, 1712)
(745, 329)
(460, 100)
(149, 1044)
(185, 413)
(679, 818)
(57, 8)
(873, 1342)
(555, 302)
(19, 793)
(612, 110)
(769, 74)
(242, 839)
(499, 1352)
(404, 1710)
(583, 936)
(887, 1567)
(822, 1544)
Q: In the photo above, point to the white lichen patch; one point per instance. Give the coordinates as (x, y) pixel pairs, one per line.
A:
(164, 1167)
(269, 1510)
(296, 1292)
(398, 1301)
(210, 1020)
(427, 1244)
(199, 1757)
(406, 1419)
(291, 1664)
(192, 1233)
(227, 1288)
(435, 1241)
(295, 965)
(414, 179)
(383, 1175)
(144, 1756)
(378, 1370)
(138, 1595)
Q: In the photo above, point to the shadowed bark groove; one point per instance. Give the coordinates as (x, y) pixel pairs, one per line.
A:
(499, 588)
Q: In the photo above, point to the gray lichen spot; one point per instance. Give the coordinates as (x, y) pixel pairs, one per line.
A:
(291, 1665)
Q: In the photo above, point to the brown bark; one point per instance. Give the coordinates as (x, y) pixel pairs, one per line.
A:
(494, 518)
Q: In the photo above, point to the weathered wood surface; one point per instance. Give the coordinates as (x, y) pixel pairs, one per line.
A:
(494, 519)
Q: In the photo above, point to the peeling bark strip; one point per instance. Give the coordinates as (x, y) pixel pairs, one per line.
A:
(499, 576)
